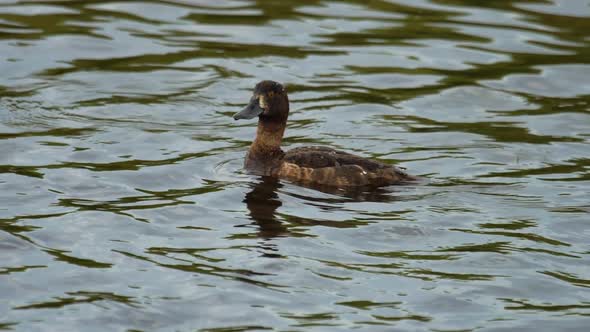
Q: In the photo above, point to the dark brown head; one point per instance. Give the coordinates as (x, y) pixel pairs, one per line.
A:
(269, 102)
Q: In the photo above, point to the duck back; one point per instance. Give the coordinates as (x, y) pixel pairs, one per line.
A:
(326, 166)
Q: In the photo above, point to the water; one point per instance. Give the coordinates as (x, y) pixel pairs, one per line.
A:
(123, 206)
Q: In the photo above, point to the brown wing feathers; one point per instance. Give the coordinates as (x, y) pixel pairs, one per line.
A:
(326, 166)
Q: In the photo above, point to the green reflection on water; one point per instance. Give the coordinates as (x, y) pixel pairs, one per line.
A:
(82, 297)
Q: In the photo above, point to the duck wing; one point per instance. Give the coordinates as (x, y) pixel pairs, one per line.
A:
(320, 156)
(320, 165)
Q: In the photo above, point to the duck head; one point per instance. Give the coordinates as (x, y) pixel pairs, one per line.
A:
(269, 102)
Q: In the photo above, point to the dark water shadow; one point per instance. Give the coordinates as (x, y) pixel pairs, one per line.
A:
(263, 202)
(346, 195)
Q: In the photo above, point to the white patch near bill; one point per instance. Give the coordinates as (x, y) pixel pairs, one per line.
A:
(262, 102)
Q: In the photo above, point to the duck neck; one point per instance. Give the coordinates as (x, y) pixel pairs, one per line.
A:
(265, 154)
(269, 136)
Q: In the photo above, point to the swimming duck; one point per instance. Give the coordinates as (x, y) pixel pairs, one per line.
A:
(313, 165)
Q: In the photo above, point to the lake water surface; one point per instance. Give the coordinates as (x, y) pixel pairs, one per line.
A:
(123, 205)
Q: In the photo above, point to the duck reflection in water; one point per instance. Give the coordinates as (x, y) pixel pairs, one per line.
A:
(263, 203)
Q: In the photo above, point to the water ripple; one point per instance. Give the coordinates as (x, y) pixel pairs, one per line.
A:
(124, 206)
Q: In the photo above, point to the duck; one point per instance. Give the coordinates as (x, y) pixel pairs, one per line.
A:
(308, 165)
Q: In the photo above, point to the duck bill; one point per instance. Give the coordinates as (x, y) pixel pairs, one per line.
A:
(252, 110)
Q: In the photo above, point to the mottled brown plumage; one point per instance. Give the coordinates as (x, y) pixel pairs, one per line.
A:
(315, 165)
